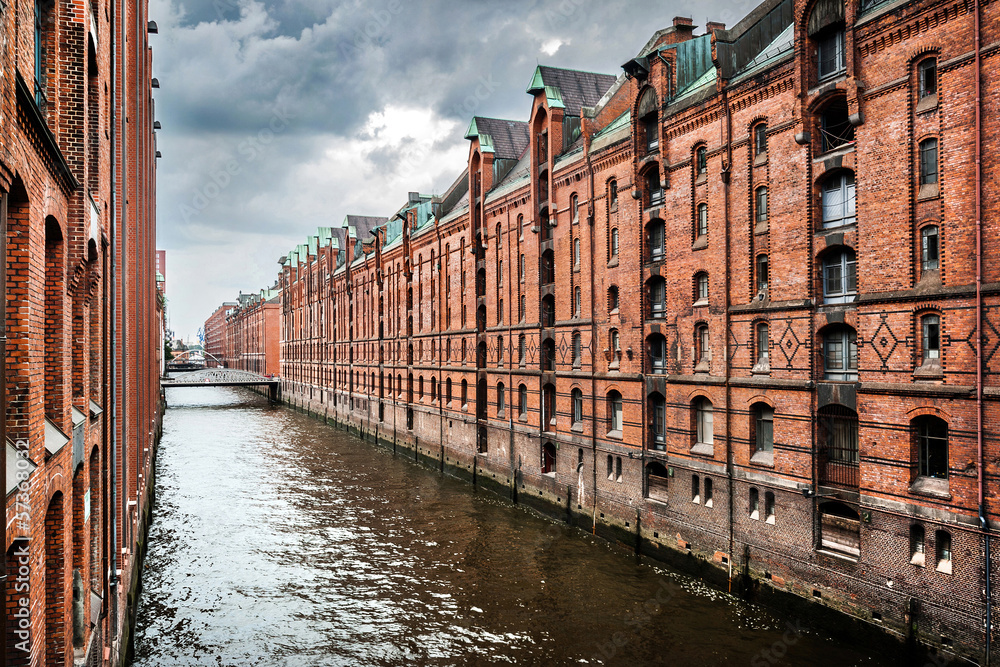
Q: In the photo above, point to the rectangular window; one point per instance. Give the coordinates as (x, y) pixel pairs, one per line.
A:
(695, 489)
(702, 219)
(831, 54)
(762, 273)
(650, 126)
(763, 343)
(708, 492)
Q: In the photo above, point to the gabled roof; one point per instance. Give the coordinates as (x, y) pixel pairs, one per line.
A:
(570, 89)
(361, 226)
(506, 139)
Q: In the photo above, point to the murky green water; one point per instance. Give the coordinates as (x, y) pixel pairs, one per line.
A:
(278, 540)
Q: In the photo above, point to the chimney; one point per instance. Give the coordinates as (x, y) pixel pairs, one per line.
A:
(712, 26)
(680, 21)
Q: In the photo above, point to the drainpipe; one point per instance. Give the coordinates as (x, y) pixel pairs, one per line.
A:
(726, 170)
(111, 446)
(983, 523)
(3, 408)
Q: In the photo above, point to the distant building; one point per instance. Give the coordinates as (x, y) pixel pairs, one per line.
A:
(161, 270)
(216, 332)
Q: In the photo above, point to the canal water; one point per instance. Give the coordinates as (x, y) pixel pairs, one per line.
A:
(279, 540)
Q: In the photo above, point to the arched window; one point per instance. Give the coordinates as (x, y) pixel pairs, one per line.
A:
(614, 243)
(701, 223)
(501, 400)
(932, 447)
(548, 311)
(522, 401)
(761, 205)
(840, 354)
(708, 492)
(521, 348)
(701, 288)
(929, 248)
(611, 467)
(837, 438)
(696, 489)
(613, 299)
(704, 429)
(522, 308)
(657, 297)
(703, 345)
(520, 268)
(762, 338)
(433, 389)
(917, 545)
(763, 428)
(769, 507)
(927, 77)
(577, 397)
(840, 276)
(576, 253)
(577, 350)
(577, 302)
(942, 543)
(754, 504)
(657, 346)
(656, 239)
(762, 273)
(928, 163)
(657, 422)
(465, 392)
(646, 112)
(613, 195)
(654, 189)
(835, 125)
(574, 208)
(614, 404)
(548, 355)
(548, 268)
(760, 139)
(839, 200)
(447, 391)
(500, 350)
(549, 459)
(826, 28)
(701, 160)
(930, 339)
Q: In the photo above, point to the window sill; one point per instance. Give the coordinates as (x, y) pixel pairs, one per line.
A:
(523, 419)
(703, 367)
(944, 567)
(918, 560)
(755, 516)
(769, 520)
(763, 459)
(615, 434)
(613, 263)
(760, 159)
(577, 427)
(703, 449)
(549, 474)
(928, 103)
(761, 368)
(761, 228)
(700, 243)
(931, 487)
(849, 557)
(700, 302)
(927, 192)
(931, 370)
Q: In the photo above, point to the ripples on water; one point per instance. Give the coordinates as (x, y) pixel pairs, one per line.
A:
(278, 540)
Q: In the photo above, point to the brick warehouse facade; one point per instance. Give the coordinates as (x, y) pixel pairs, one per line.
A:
(216, 336)
(723, 306)
(253, 333)
(83, 323)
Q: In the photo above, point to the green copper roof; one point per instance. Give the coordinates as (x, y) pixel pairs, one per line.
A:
(537, 84)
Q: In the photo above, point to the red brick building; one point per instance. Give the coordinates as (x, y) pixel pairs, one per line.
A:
(725, 304)
(83, 322)
(253, 333)
(217, 336)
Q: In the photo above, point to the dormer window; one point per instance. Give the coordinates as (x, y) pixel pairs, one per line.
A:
(648, 125)
(826, 29)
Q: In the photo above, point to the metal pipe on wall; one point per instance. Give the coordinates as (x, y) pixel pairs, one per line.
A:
(3, 410)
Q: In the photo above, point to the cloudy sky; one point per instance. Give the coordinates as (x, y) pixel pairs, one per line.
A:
(286, 115)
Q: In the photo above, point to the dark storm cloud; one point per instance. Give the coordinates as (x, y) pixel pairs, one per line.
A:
(267, 108)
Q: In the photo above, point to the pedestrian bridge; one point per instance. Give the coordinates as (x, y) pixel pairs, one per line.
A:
(223, 377)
